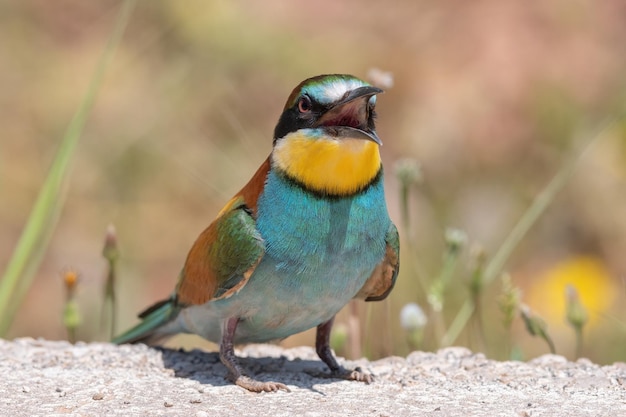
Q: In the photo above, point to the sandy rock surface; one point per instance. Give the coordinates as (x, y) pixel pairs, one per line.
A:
(44, 378)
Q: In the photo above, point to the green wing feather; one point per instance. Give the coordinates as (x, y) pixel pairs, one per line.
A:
(223, 257)
(220, 262)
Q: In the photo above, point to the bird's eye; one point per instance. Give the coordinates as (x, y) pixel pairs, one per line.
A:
(304, 104)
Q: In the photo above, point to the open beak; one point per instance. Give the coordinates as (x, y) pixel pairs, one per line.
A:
(350, 116)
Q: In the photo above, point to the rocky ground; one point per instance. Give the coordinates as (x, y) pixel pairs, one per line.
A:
(44, 378)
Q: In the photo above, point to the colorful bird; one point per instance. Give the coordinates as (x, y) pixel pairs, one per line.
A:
(308, 233)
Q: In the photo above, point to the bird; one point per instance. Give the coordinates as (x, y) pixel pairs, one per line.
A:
(305, 236)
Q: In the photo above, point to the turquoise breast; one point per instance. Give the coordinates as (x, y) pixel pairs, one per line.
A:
(319, 253)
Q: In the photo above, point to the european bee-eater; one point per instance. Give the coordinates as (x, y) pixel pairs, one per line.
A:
(308, 233)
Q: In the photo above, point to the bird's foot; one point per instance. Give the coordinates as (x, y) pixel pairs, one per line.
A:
(355, 375)
(322, 347)
(228, 358)
(258, 386)
(342, 373)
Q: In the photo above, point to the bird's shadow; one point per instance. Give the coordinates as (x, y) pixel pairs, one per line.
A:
(206, 368)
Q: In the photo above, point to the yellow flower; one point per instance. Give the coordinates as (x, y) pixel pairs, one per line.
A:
(588, 275)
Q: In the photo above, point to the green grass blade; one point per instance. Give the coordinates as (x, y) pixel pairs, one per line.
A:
(496, 265)
(44, 215)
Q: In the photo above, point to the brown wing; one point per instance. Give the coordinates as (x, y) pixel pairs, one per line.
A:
(383, 278)
(226, 253)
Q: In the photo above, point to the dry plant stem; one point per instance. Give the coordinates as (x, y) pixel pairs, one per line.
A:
(71, 335)
(550, 344)
(439, 328)
(479, 329)
(388, 339)
(111, 253)
(404, 203)
(354, 331)
(579, 343)
(110, 301)
(410, 238)
(508, 345)
(447, 271)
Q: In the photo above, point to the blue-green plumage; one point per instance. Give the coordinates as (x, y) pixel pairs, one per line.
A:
(319, 253)
(306, 235)
(307, 232)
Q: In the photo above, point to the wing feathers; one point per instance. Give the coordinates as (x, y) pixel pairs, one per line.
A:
(383, 278)
(225, 254)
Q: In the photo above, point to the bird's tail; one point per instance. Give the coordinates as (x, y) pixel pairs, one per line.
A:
(153, 327)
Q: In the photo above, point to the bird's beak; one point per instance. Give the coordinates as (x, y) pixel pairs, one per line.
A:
(350, 116)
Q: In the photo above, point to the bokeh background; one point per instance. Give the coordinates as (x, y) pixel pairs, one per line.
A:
(489, 97)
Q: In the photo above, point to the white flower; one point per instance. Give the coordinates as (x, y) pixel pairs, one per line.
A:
(412, 317)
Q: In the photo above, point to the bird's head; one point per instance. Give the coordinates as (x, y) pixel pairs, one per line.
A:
(325, 139)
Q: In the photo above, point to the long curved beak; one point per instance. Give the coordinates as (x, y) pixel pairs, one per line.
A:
(350, 116)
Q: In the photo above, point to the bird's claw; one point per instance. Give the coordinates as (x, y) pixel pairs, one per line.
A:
(355, 375)
(257, 386)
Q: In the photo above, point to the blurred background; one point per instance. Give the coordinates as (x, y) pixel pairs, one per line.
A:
(489, 100)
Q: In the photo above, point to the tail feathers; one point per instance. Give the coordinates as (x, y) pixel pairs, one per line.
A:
(152, 328)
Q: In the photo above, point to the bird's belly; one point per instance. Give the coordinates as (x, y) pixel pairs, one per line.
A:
(277, 303)
(286, 303)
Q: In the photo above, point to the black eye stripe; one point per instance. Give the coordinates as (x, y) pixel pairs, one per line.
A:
(305, 111)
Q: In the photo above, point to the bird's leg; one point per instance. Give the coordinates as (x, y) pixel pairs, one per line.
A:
(228, 358)
(322, 346)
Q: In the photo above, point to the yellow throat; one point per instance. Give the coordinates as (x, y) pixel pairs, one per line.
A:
(328, 165)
